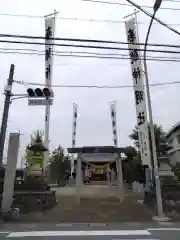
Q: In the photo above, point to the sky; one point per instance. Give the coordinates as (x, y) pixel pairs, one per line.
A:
(94, 120)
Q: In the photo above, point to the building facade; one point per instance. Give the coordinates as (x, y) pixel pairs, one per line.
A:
(173, 138)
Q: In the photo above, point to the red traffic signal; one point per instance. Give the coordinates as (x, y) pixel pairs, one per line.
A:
(40, 93)
(48, 93)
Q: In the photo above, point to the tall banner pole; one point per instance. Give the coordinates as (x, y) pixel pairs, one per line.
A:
(118, 157)
(139, 92)
(49, 35)
(74, 125)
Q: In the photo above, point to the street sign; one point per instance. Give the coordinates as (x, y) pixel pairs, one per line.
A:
(40, 102)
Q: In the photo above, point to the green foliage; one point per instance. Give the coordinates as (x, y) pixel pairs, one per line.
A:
(59, 164)
(160, 139)
(176, 170)
(130, 164)
(131, 153)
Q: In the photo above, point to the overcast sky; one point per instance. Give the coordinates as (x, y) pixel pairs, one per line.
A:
(94, 121)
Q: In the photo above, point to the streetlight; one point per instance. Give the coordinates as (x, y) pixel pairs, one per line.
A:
(154, 152)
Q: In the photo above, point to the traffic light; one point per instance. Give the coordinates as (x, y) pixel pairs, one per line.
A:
(30, 92)
(48, 93)
(40, 93)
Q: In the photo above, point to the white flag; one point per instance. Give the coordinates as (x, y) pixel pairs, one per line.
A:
(138, 82)
(75, 109)
(49, 35)
(114, 124)
(74, 125)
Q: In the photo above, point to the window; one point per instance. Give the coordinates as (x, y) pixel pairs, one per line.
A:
(178, 139)
(170, 142)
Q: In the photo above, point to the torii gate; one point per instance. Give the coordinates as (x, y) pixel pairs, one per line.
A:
(112, 152)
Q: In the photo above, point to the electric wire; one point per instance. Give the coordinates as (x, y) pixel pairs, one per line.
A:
(80, 19)
(96, 56)
(128, 5)
(141, 8)
(26, 83)
(88, 46)
(83, 40)
(5, 50)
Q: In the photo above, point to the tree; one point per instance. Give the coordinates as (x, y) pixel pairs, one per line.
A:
(160, 139)
(131, 153)
(59, 165)
(131, 163)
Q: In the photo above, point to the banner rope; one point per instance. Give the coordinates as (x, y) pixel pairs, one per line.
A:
(100, 166)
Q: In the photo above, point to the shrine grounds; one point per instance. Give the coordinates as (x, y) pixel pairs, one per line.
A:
(97, 204)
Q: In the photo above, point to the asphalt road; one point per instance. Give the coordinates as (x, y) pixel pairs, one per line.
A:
(117, 231)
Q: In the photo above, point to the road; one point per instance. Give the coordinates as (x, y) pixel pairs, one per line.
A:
(116, 231)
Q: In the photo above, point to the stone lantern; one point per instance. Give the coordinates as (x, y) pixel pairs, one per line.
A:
(36, 161)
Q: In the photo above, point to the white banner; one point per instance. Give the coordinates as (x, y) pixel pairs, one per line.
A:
(138, 82)
(75, 109)
(49, 35)
(74, 125)
(114, 125)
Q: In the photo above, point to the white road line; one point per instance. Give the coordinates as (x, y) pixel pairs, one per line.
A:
(80, 233)
(163, 229)
(64, 225)
(137, 239)
(166, 223)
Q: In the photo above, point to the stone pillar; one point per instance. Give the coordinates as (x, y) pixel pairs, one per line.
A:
(10, 172)
(120, 183)
(78, 177)
(108, 175)
(112, 177)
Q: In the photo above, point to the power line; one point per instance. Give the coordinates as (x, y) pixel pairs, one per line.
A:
(71, 52)
(96, 47)
(88, 46)
(176, 1)
(94, 86)
(152, 16)
(5, 50)
(83, 40)
(128, 5)
(74, 54)
(97, 56)
(80, 19)
(144, 11)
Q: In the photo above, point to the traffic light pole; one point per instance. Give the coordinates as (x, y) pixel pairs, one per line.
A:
(7, 102)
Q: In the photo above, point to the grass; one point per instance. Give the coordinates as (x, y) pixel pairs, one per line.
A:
(92, 210)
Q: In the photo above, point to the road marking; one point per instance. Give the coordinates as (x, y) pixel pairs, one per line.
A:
(80, 233)
(163, 229)
(134, 223)
(136, 239)
(64, 225)
(166, 223)
(97, 224)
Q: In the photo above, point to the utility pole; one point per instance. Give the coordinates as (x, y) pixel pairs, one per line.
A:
(8, 94)
(160, 213)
